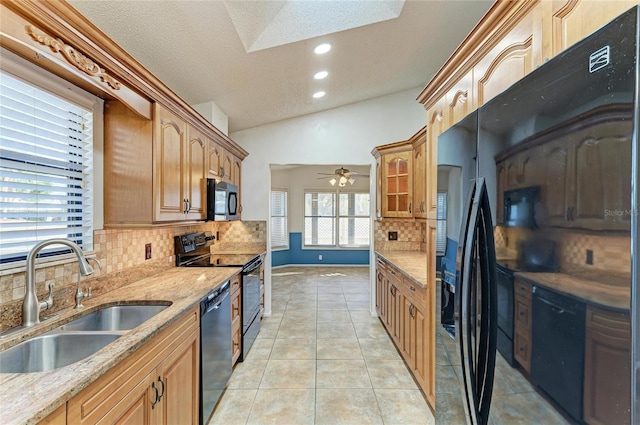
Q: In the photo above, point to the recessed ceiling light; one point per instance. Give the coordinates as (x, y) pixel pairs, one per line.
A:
(320, 75)
(318, 94)
(322, 49)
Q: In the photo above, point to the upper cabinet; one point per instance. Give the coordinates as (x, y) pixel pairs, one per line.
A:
(156, 171)
(397, 189)
(179, 168)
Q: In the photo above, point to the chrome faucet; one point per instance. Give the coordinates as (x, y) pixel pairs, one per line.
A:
(31, 307)
(82, 295)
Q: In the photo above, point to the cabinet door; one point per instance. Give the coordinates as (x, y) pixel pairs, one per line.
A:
(574, 20)
(435, 127)
(169, 144)
(215, 159)
(384, 296)
(555, 190)
(420, 181)
(196, 174)
(607, 376)
(510, 60)
(378, 188)
(406, 340)
(178, 377)
(226, 169)
(379, 287)
(137, 408)
(57, 417)
(397, 187)
(419, 332)
(601, 199)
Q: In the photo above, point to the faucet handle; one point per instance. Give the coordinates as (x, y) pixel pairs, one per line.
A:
(47, 303)
(88, 292)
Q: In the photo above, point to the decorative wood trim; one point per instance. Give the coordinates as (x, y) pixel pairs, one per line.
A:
(501, 18)
(73, 56)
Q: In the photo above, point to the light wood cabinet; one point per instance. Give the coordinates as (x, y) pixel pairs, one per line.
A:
(522, 323)
(157, 384)
(607, 379)
(155, 171)
(397, 184)
(567, 22)
(378, 185)
(179, 168)
(215, 160)
(236, 319)
(435, 127)
(57, 417)
(403, 310)
(420, 174)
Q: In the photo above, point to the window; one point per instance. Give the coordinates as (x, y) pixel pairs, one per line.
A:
(46, 169)
(336, 219)
(441, 229)
(279, 233)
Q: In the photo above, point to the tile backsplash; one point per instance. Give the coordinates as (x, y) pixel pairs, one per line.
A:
(610, 252)
(122, 254)
(411, 235)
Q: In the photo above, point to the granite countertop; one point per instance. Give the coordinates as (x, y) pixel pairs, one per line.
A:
(411, 263)
(587, 287)
(26, 398)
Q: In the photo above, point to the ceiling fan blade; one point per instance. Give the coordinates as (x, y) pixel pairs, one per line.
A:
(320, 178)
(326, 174)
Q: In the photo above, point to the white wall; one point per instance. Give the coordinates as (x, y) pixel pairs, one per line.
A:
(343, 135)
(214, 115)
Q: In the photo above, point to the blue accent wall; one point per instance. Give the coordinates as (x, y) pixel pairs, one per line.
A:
(296, 255)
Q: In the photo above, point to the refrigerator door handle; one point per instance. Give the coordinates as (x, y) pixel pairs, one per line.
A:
(476, 331)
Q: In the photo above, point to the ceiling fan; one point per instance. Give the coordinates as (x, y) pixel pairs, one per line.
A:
(342, 176)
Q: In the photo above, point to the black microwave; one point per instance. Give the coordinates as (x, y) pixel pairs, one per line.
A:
(519, 207)
(222, 201)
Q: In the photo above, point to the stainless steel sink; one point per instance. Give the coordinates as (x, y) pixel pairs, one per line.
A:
(52, 351)
(114, 318)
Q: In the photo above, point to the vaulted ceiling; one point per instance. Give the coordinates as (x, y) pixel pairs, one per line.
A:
(255, 60)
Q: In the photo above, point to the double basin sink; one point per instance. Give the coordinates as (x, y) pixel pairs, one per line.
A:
(76, 340)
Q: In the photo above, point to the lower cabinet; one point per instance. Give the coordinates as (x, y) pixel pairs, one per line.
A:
(607, 378)
(57, 417)
(402, 308)
(159, 384)
(522, 323)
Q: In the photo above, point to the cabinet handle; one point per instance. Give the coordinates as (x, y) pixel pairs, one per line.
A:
(154, 402)
(412, 288)
(412, 310)
(221, 171)
(409, 206)
(235, 344)
(162, 392)
(184, 211)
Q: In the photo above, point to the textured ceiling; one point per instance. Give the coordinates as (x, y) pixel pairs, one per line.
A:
(195, 48)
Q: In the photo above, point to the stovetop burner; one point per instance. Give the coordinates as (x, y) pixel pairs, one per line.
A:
(193, 250)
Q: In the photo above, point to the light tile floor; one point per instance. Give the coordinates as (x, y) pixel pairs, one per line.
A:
(321, 358)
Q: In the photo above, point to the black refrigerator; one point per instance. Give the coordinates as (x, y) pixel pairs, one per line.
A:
(542, 187)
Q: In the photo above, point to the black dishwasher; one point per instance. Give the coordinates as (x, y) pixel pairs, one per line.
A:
(557, 363)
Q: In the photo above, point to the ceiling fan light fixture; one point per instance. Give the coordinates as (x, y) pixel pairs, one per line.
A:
(351, 180)
(343, 181)
(333, 181)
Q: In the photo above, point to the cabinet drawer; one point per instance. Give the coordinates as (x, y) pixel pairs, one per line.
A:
(236, 342)
(235, 307)
(608, 322)
(522, 349)
(522, 288)
(522, 312)
(413, 290)
(235, 283)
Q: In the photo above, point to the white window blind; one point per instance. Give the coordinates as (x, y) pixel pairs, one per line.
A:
(441, 229)
(46, 168)
(337, 219)
(279, 230)
(353, 220)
